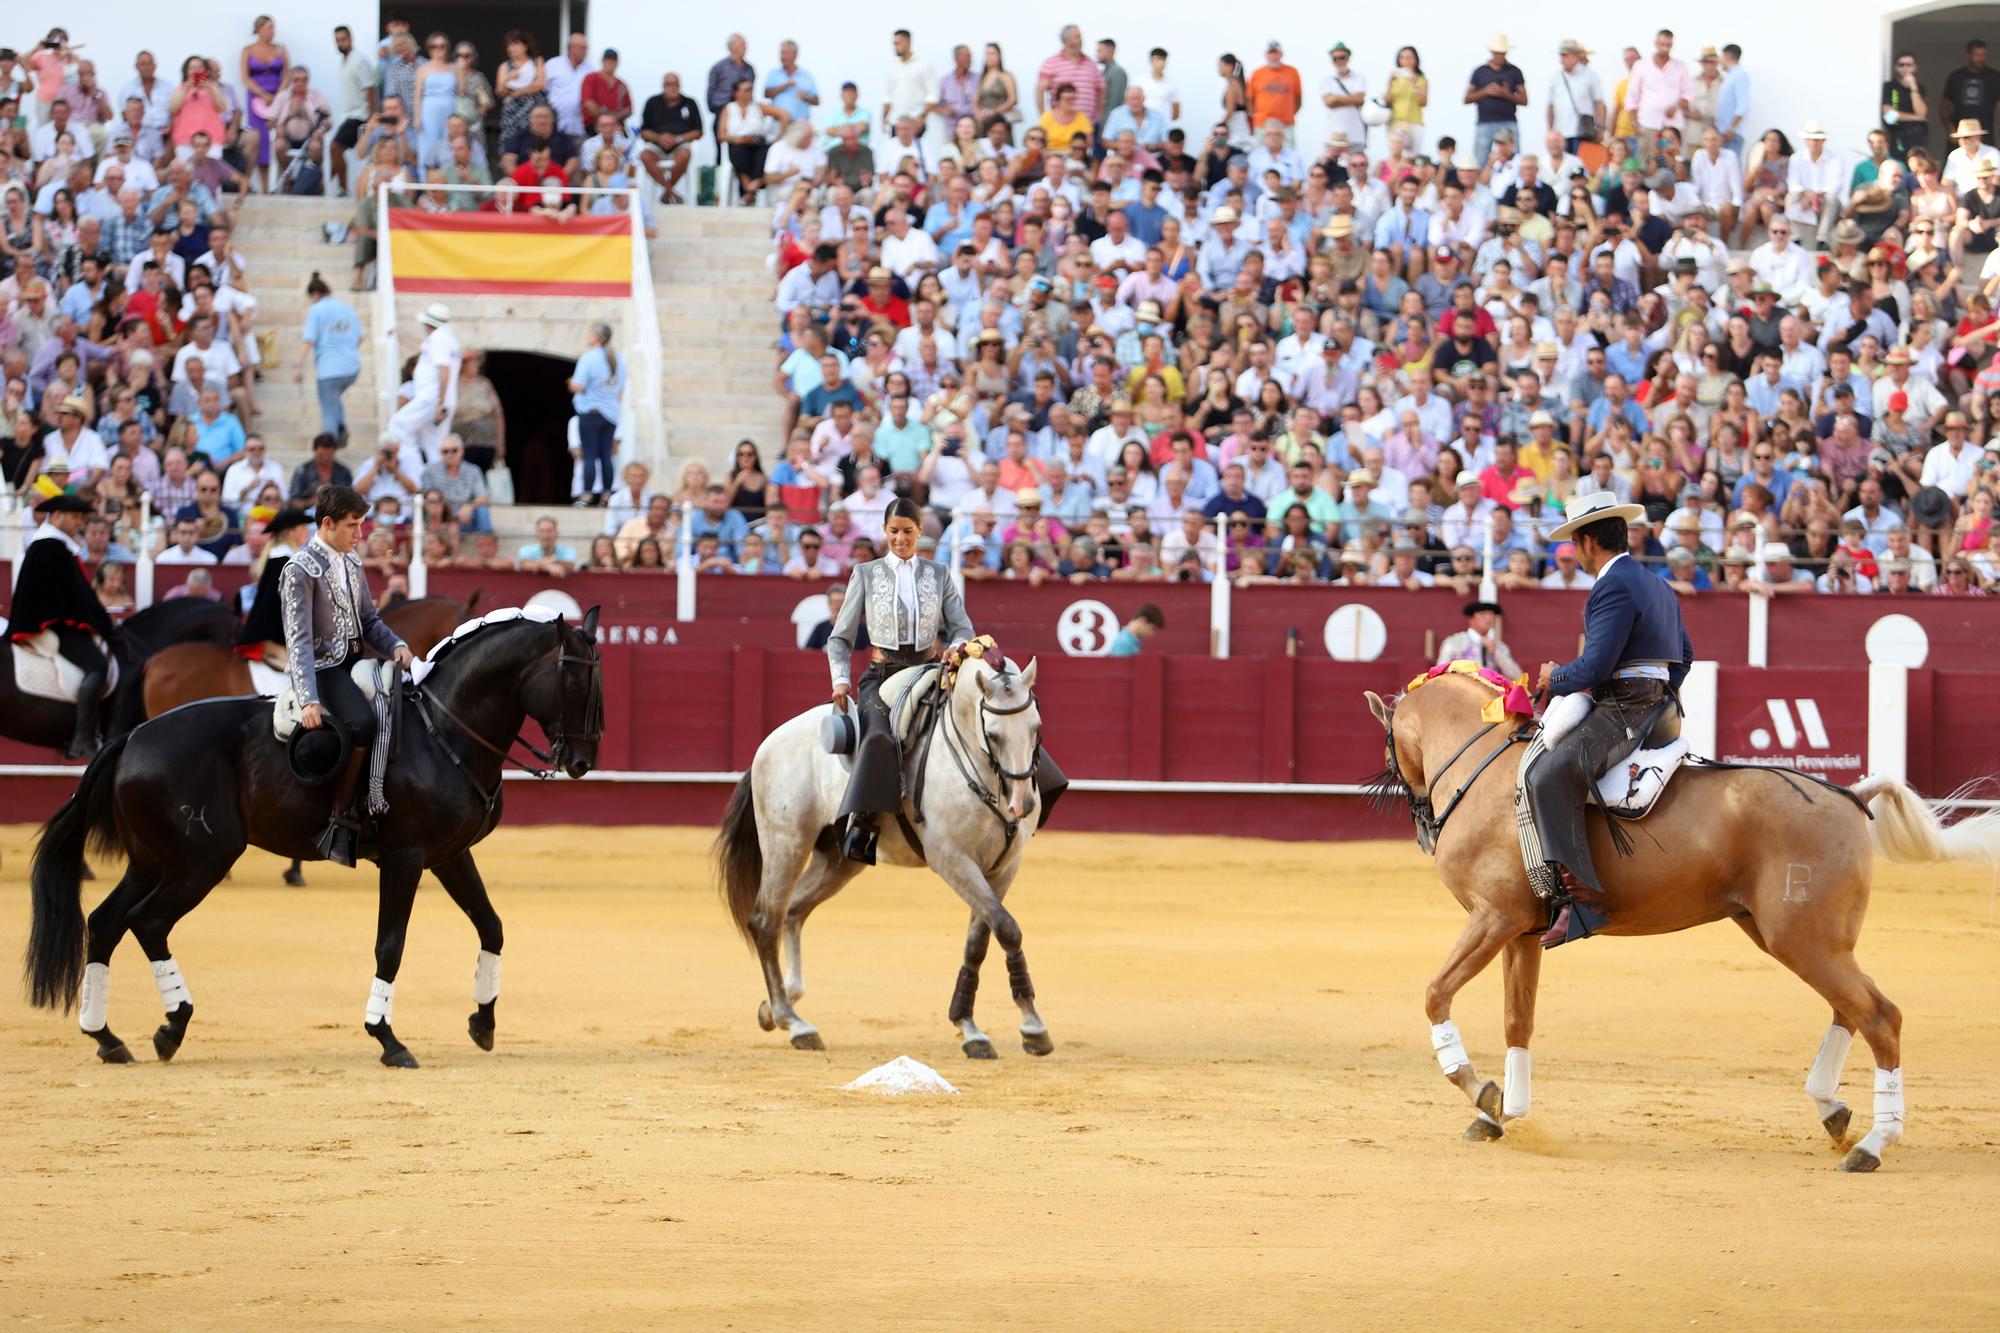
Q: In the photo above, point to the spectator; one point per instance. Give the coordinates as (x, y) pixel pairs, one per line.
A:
(1131, 637)
(546, 554)
(250, 473)
(1480, 641)
(1497, 89)
(717, 519)
(461, 485)
(595, 386)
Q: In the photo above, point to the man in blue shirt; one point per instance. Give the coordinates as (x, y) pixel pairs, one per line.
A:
(1144, 624)
(332, 336)
(1636, 653)
(716, 519)
(790, 88)
(1615, 400)
(1149, 127)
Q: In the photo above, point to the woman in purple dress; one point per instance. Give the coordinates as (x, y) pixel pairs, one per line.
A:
(264, 65)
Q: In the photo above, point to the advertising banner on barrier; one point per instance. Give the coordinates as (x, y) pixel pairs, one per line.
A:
(1814, 721)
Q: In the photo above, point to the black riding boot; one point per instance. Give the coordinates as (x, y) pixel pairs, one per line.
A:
(860, 842)
(89, 697)
(1050, 784)
(339, 842)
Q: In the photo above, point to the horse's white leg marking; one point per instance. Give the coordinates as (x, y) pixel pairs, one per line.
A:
(93, 1008)
(1823, 1080)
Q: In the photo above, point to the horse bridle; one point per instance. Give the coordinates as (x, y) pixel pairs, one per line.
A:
(955, 745)
(1431, 827)
(550, 759)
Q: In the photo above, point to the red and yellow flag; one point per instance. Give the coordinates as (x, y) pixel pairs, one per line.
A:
(518, 254)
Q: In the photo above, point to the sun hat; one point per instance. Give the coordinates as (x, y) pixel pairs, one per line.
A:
(1582, 510)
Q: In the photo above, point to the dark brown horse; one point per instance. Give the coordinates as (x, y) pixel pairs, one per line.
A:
(187, 672)
(33, 720)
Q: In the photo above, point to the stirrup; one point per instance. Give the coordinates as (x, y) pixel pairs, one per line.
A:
(1571, 918)
(859, 844)
(339, 841)
(83, 747)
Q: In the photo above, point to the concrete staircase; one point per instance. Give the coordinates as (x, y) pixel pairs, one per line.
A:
(717, 330)
(283, 245)
(717, 333)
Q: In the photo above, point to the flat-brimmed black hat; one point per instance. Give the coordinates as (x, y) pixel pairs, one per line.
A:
(64, 504)
(286, 519)
(1474, 608)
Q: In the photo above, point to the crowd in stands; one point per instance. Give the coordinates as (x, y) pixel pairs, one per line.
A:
(1103, 333)
(1099, 331)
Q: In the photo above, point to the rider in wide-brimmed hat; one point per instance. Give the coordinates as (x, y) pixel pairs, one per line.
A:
(54, 594)
(1636, 652)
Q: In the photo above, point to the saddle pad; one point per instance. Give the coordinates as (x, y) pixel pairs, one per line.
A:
(267, 680)
(901, 696)
(48, 675)
(285, 712)
(1635, 782)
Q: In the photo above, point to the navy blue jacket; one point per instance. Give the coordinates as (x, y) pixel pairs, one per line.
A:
(1630, 616)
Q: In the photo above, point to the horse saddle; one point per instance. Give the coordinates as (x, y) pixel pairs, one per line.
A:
(40, 669)
(369, 676)
(1631, 786)
(903, 694)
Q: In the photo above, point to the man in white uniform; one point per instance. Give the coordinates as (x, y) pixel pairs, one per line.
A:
(423, 420)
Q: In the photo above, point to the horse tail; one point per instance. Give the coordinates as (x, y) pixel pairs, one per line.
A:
(1907, 830)
(56, 939)
(472, 602)
(739, 856)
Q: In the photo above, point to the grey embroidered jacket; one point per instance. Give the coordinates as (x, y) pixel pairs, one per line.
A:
(326, 605)
(871, 591)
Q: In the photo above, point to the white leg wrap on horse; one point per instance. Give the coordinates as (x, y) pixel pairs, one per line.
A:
(1450, 1047)
(1519, 1094)
(486, 978)
(1823, 1080)
(173, 987)
(381, 1001)
(93, 1008)
(1888, 1126)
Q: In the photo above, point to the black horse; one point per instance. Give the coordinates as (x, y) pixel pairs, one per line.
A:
(33, 720)
(183, 794)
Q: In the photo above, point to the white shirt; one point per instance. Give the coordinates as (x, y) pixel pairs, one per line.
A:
(1925, 400)
(1108, 254)
(1952, 475)
(1786, 270)
(868, 514)
(1162, 95)
(1959, 167)
(798, 287)
(1719, 182)
(49, 530)
(1582, 581)
(354, 80)
(911, 86)
(909, 343)
(1573, 94)
(139, 174)
(243, 479)
(1827, 177)
(220, 358)
(905, 572)
(901, 255)
(87, 456)
(565, 85)
(1346, 119)
(174, 555)
(440, 350)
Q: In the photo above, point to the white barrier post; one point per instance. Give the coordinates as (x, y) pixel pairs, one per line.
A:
(420, 573)
(1889, 720)
(387, 364)
(1758, 651)
(1489, 589)
(142, 576)
(10, 537)
(647, 441)
(958, 557)
(1698, 701)
(684, 605)
(1219, 591)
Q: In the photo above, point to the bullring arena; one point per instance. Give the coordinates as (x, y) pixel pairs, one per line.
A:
(1240, 1125)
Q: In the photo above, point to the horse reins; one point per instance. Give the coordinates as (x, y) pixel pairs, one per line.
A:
(955, 745)
(593, 718)
(1430, 827)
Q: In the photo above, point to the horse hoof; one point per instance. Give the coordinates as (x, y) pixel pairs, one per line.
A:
(1836, 1124)
(1488, 1101)
(1860, 1160)
(295, 878)
(764, 1019)
(400, 1058)
(807, 1041)
(166, 1042)
(116, 1055)
(482, 1037)
(1483, 1129)
(980, 1049)
(1037, 1043)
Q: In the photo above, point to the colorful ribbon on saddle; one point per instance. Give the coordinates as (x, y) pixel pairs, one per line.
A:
(1510, 697)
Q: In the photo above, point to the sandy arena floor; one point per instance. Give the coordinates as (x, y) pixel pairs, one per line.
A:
(1242, 1125)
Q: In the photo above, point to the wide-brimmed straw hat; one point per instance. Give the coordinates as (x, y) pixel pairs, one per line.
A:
(1583, 510)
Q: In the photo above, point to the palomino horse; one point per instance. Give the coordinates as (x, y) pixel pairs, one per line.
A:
(187, 672)
(779, 857)
(183, 795)
(1786, 858)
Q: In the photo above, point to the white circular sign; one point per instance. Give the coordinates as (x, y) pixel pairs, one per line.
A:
(1897, 640)
(558, 601)
(1355, 633)
(1086, 628)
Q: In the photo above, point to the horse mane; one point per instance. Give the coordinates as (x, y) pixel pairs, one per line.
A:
(474, 629)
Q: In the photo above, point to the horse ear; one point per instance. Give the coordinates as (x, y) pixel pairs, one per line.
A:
(590, 623)
(1028, 674)
(1383, 712)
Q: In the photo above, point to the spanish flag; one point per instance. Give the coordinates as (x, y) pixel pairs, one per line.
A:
(517, 254)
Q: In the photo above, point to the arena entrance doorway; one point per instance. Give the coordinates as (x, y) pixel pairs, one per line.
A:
(1937, 38)
(534, 394)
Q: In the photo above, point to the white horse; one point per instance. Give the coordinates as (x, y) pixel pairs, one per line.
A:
(779, 856)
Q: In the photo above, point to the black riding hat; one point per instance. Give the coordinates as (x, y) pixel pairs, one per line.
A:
(316, 756)
(1474, 608)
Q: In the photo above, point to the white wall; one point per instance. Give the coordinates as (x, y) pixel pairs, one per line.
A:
(1825, 63)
